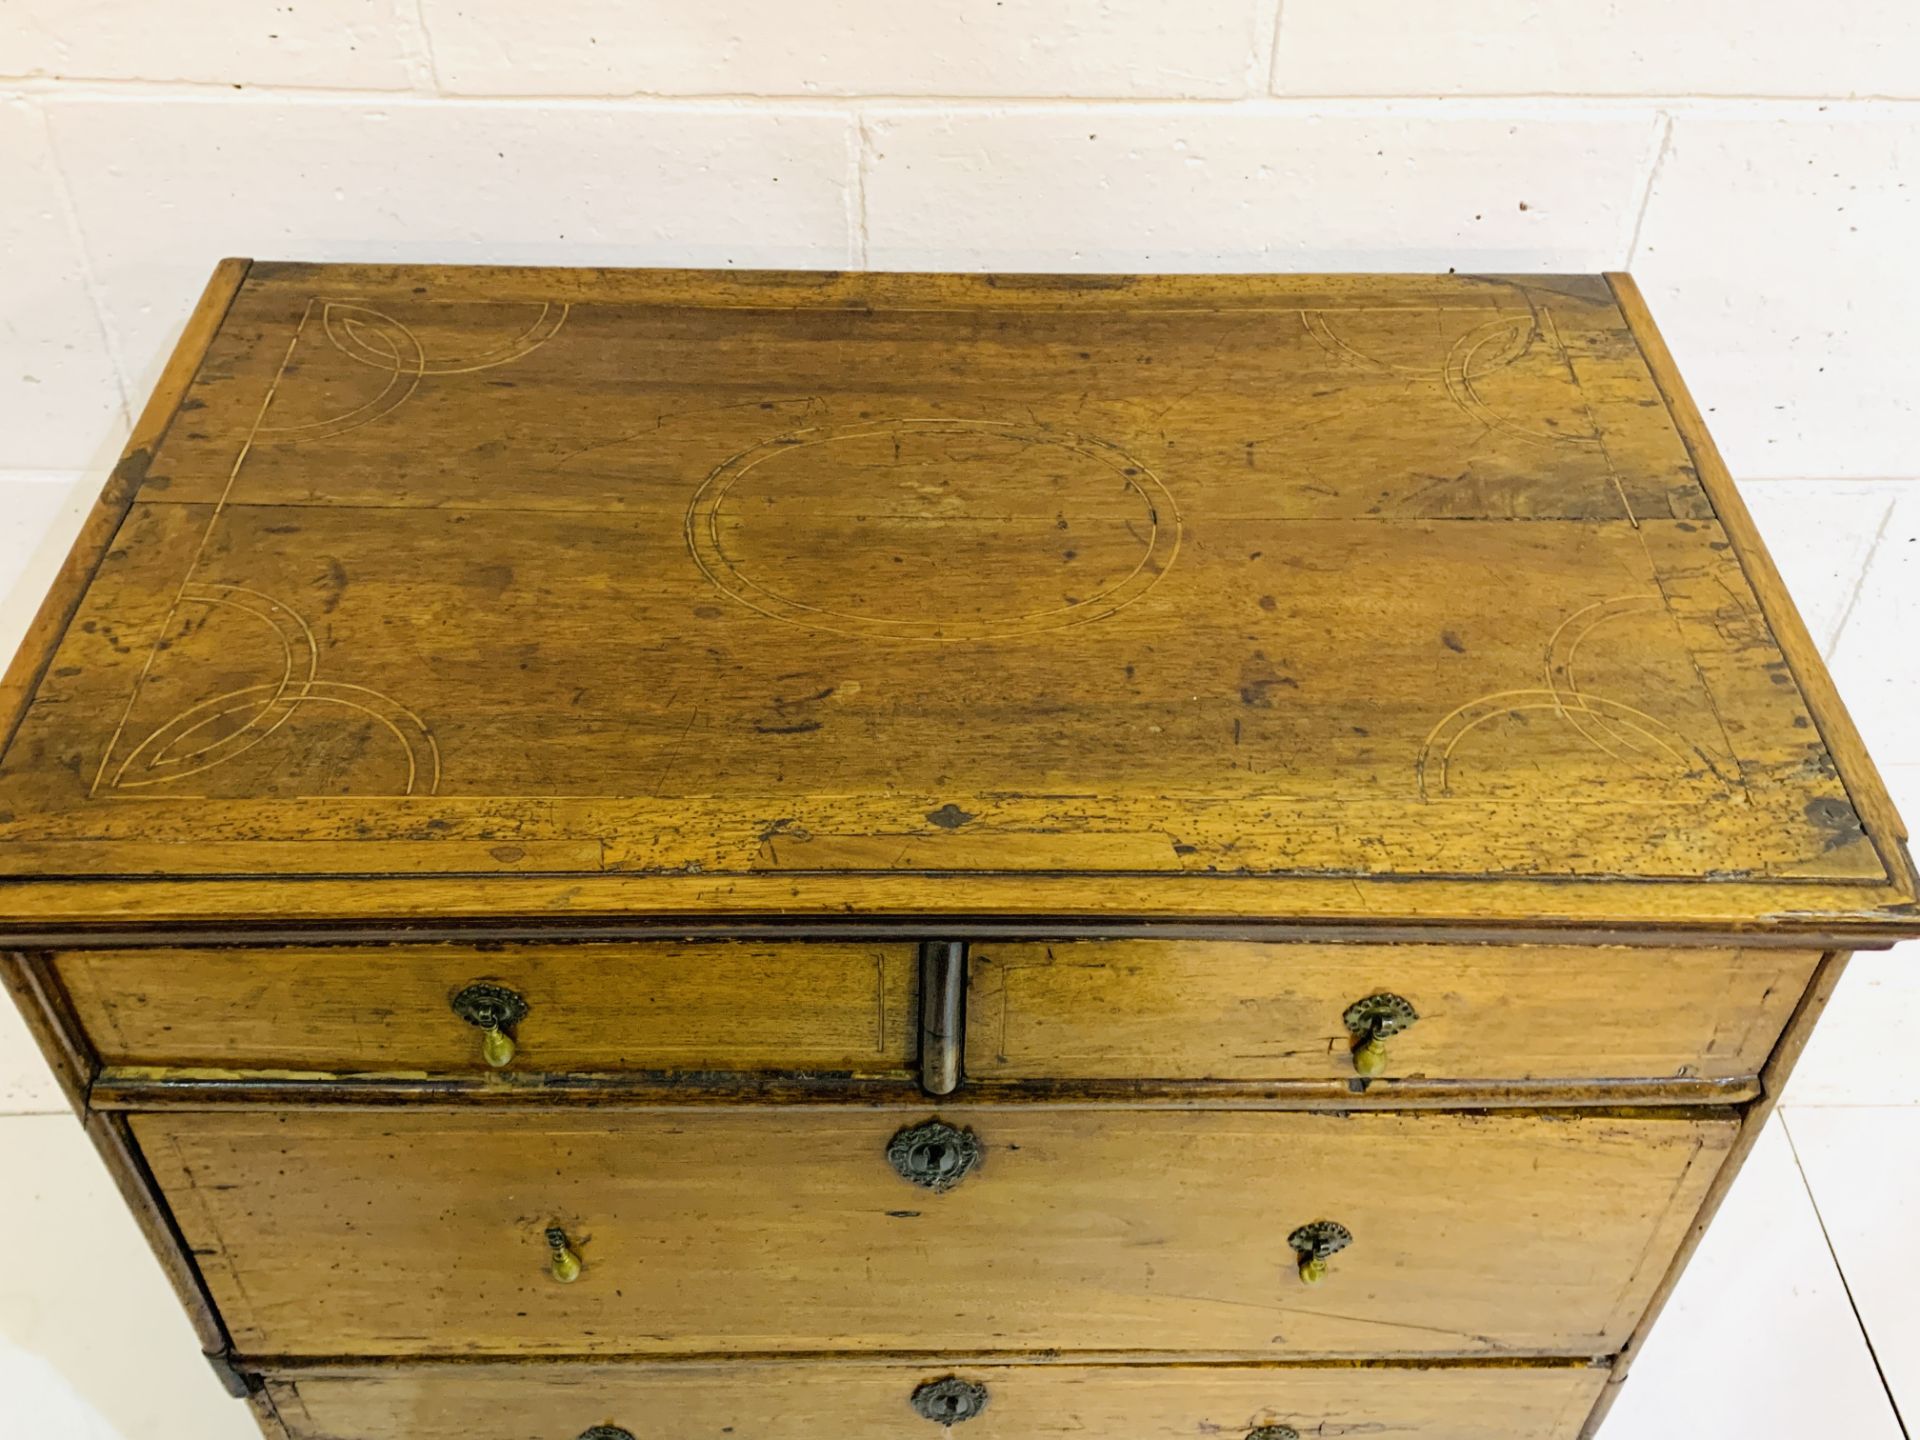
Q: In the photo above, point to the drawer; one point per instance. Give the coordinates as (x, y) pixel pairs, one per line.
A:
(716, 1005)
(1184, 1010)
(791, 1229)
(801, 1401)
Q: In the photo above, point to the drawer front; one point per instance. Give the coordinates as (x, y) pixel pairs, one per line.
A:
(1093, 1230)
(1185, 1010)
(656, 1006)
(799, 1401)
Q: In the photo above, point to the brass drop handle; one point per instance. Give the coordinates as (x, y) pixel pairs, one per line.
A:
(949, 1401)
(1264, 1432)
(933, 1155)
(614, 1432)
(563, 1263)
(1371, 1021)
(495, 1010)
(1315, 1244)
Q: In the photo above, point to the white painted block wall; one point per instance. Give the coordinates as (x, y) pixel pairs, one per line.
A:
(1755, 163)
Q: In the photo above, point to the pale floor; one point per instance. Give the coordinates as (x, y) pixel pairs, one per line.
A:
(1799, 1318)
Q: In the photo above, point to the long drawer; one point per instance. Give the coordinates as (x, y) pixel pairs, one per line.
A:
(1074, 1011)
(797, 1229)
(713, 1005)
(1154, 1009)
(802, 1401)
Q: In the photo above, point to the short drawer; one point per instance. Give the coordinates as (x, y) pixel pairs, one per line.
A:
(719, 1006)
(798, 1229)
(1186, 1010)
(802, 1401)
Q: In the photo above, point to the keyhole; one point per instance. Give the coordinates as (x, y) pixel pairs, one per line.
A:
(950, 1404)
(934, 1157)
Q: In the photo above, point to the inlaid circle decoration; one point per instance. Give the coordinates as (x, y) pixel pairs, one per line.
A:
(936, 529)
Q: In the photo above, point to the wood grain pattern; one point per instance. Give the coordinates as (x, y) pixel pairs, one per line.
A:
(267, 1416)
(1162, 1009)
(201, 1088)
(27, 668)
(669, 593)
(1837, 729)
(75, 913)
(764, 1230)
(49, 1019)
(714, 1006)
(1135, 1011)
(797, 1401)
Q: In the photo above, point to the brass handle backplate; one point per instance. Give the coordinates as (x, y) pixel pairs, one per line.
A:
(614, 1432)
(934, 1155)
(1259, 1432)
(1315, 1244)
(1371, 1021)
(949, 1401)
(563, 1263)
(494, 1010)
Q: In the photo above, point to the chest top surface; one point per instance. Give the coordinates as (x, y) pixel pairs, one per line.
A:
(495, 591)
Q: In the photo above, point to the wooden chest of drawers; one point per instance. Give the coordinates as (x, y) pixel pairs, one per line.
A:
(614, 854)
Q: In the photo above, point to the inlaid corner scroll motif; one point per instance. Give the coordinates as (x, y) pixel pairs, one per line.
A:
(228, 722)
(225, 726)
(394, 350)
(1462, 367)
(1502, 381)
(1633, 742)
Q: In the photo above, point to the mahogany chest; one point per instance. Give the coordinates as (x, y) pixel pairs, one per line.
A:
(825, 857)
